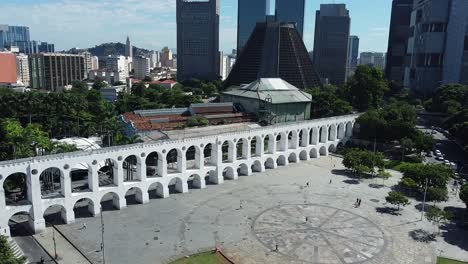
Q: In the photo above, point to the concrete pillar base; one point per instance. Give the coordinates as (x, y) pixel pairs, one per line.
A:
(162, 191)
(142, 197)
(182, 187)
(119, 203)
(37, 225)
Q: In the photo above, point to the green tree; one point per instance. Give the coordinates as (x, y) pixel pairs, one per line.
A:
(6, 253)
(147, 79)
(384, 175)
(437, 216)
(366, 88)
(117, 83)
(99, 84)
(325, 102)
(436, 195)
(406, 147)
(79, 86)
(397, 198)
(363, 161)
(138, 89)
(464, 194)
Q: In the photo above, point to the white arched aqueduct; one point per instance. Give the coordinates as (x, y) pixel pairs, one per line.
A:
(73, 184)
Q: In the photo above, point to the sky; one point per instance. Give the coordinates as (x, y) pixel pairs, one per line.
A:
(151, 24)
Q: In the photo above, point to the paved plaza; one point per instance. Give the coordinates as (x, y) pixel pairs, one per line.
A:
(270, 217)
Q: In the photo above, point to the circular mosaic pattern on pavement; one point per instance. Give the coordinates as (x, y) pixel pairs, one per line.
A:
(319, 234)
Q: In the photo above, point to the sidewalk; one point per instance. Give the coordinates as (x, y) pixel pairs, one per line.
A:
(65, 251)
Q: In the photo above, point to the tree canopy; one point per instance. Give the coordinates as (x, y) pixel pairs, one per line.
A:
(397, 199)
(6, 253)
(464, 194)
(363, 161)
(326, 102)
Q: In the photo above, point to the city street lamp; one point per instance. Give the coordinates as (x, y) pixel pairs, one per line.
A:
(424, 201)
(102, 238)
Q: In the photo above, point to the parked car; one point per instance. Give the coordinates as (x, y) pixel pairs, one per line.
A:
(440, 158)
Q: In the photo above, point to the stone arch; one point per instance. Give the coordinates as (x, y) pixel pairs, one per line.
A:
(313, 153)
(303, 138)
(331, 148)
(51, 180)
(292, 157)
(281, 141)
(269, 144)
(108, 171)
(341, 131)
(131, 167)
(293, 139)
(243, 170)
(208, 154)
(19, 224)
(192, 157)
(84, 207)
(195, 181)
(340, 147)
(157, 190)
(16, 189)
(152, 164)
(256, 146)
(242, 149)
(314, 136)
(177, 185)
(281, 161)
(323, 151)
(269, 163)
(134, 195)
(174, 160)
(349, 129)
(81, 178)
(209, 175)
(55, 214)
(228, 149)
(256, 166)
(110, 201)
(303, 155)
(323, 134)
(332, 132)
(229, 173)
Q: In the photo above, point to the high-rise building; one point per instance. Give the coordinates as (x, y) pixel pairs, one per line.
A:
(198, 39)
(332, 24)
(11, 34)
(88, 62)
(32, 47)
(7, 68)
(166, 57)
(291, 11)
(275, 50)
(118, 64)
(128, 48)
(397, 55)
(94, 63)
(438, 45)
(154, 59)
(353, 53)
(141, 65)
(54, 71)
(374, 59)
(248, 14)
(22, 69)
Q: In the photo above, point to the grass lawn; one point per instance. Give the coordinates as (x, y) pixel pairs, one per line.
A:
(441, 260)
(202, 258)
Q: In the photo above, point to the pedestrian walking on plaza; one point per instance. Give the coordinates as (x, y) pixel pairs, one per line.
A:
(308, 185)
(276, 247)
(42, 260)
(84, 226)
(330, 181)
(307, 219)
(359, 203)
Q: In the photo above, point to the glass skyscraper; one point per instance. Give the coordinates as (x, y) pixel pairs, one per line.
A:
(11, 34)
(291, 11)
(249, 13)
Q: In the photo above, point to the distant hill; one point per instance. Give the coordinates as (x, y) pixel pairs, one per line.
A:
(110, 49)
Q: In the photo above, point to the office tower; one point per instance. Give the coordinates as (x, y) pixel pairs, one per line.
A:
(291, 11)
(248, 14)
(154, 59)
(128, 48)
(22, 69)
(94, 63)
(166, 57)
(141, 65)
(11, 34)
(7, 68)
(332, 23)
(397, 57)
(438, 45)
(275, 50)
(373, 59)
(198, 40)
(118, 64)
(88, 62)
(54, 71)
(353, 53)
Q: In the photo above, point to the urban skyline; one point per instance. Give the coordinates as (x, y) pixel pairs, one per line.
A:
(66, 28)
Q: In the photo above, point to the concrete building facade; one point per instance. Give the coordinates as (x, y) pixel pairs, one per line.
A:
(141, 65)
(374, 59)
(353, 54)
(291, 11)
(155, 167)
(438, 45)
(7, 68)
(397, 54)
(332, 26)
(166, 57)
(22, 69)
(198, 39)
(54, 71)
(249, 13)
(117, 64)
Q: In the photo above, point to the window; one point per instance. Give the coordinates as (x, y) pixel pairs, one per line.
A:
(466, 43)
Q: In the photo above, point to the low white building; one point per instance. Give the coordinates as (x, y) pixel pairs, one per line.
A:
(118, 64)
(107, 75)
